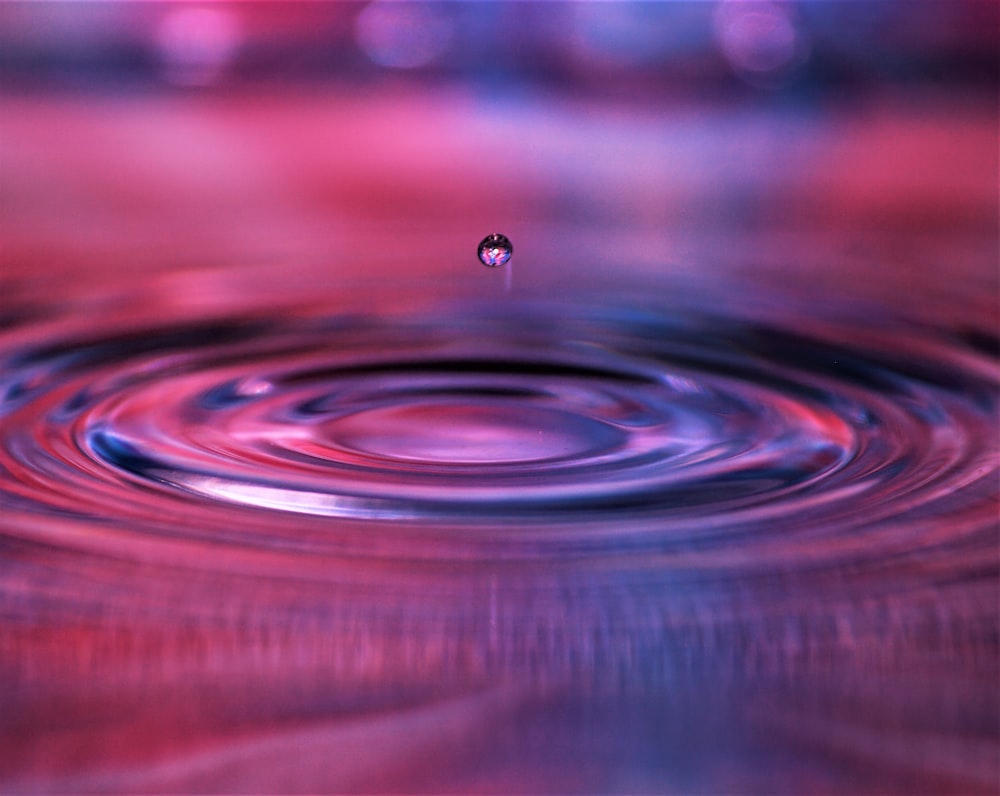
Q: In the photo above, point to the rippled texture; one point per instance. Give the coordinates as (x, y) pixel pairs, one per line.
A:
(530, 493)
(670, 432)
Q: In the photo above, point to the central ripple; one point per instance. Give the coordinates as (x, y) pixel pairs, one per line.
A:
(457, 432)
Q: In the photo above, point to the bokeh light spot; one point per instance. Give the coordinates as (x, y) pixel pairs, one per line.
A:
(403, 35)
(195, 45)
(760, 40)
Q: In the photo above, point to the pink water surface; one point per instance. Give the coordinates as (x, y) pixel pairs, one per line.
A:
(158, 637)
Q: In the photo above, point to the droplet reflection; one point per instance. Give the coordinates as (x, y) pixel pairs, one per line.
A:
(495, 250)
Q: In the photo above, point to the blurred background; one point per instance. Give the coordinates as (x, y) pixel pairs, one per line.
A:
(672, 137)
(790, 160)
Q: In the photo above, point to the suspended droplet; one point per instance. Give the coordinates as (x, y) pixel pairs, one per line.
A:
(495, 250)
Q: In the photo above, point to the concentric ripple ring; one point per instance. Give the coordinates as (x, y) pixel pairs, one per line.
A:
(524, 431)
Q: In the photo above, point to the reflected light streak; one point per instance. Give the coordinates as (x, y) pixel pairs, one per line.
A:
(294, 500)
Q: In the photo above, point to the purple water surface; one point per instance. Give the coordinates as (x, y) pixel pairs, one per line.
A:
(704, 502)
(694, 529)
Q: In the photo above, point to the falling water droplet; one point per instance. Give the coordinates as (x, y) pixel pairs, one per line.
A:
(495, 250)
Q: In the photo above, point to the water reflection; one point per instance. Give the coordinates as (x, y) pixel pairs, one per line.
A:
(705, 503)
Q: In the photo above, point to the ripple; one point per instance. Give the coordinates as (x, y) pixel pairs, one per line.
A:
(526, 430)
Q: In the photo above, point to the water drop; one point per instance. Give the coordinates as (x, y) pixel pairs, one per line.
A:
(495, 250)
